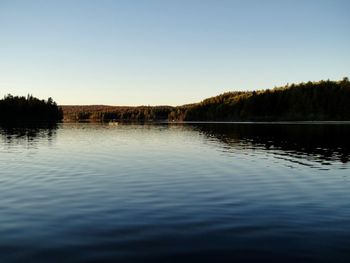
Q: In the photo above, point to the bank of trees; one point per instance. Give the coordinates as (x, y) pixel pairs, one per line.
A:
(311, 101)
(323, 100)
(22, 109)
(109, 113)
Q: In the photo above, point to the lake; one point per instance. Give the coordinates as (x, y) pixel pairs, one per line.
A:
(192, 192)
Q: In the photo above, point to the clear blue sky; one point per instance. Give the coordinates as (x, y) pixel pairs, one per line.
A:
(167, 52)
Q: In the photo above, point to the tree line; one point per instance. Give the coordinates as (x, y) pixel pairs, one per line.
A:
(311, 101)
(323, 101)
(118, 113)
(22, 109)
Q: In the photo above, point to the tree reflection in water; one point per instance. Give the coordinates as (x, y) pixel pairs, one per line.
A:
(27, 134)
(323, 143)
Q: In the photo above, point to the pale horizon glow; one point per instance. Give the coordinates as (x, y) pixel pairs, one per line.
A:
(167, 52)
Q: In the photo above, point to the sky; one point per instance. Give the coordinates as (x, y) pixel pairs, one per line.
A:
(167, 52)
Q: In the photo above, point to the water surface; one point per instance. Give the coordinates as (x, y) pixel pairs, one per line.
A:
(175, 193)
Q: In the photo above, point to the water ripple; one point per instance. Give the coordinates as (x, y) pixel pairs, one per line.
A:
(171, 193)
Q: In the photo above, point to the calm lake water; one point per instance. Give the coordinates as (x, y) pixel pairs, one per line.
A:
(175, 193)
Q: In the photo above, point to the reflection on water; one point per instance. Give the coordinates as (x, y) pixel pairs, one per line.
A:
(175, 193)
(323, 143)
(27, 134)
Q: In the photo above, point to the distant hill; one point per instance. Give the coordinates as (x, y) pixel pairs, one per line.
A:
(323, 101)
(27, 109)
(120, 113)
(311, 101)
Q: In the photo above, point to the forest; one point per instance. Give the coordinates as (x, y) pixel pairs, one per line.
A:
(311, 101)
(24, 109)
(120, 113)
